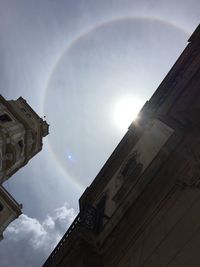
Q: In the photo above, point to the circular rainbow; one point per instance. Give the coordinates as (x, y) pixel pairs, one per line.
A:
(78, 39)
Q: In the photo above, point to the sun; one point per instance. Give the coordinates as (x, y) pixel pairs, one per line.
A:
(126, 110)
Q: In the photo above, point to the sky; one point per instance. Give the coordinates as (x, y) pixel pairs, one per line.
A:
(75, 62)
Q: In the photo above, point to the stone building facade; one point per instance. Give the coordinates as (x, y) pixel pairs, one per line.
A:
(21, 133)
(9, 210)
(142, 209)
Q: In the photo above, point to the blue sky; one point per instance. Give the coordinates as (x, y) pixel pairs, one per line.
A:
(73, 61)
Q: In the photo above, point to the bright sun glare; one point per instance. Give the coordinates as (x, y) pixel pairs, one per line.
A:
(126, 110)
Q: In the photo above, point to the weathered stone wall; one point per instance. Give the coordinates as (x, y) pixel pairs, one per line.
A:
(172, 238)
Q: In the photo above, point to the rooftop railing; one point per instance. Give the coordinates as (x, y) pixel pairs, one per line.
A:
(87, 218)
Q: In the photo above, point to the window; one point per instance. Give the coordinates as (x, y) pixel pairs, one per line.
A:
(21, 145)
(10, 156)
(1, 207)
(5, 118)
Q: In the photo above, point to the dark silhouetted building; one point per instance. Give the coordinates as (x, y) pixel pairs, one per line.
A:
(143, 208)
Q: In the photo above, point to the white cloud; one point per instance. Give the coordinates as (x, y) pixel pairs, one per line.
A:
(34, 239)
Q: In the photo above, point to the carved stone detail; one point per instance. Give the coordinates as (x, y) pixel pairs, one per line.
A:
(129, 175)
(132, 168)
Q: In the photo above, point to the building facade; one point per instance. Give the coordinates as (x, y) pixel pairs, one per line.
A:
(142, 209)
(21, 133)
(9, 210)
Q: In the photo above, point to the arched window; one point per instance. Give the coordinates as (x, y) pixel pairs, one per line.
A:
(10, 156)
(21, 146)
(5, 118)
(1, 207)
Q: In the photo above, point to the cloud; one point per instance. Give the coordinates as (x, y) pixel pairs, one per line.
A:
(28, 241)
